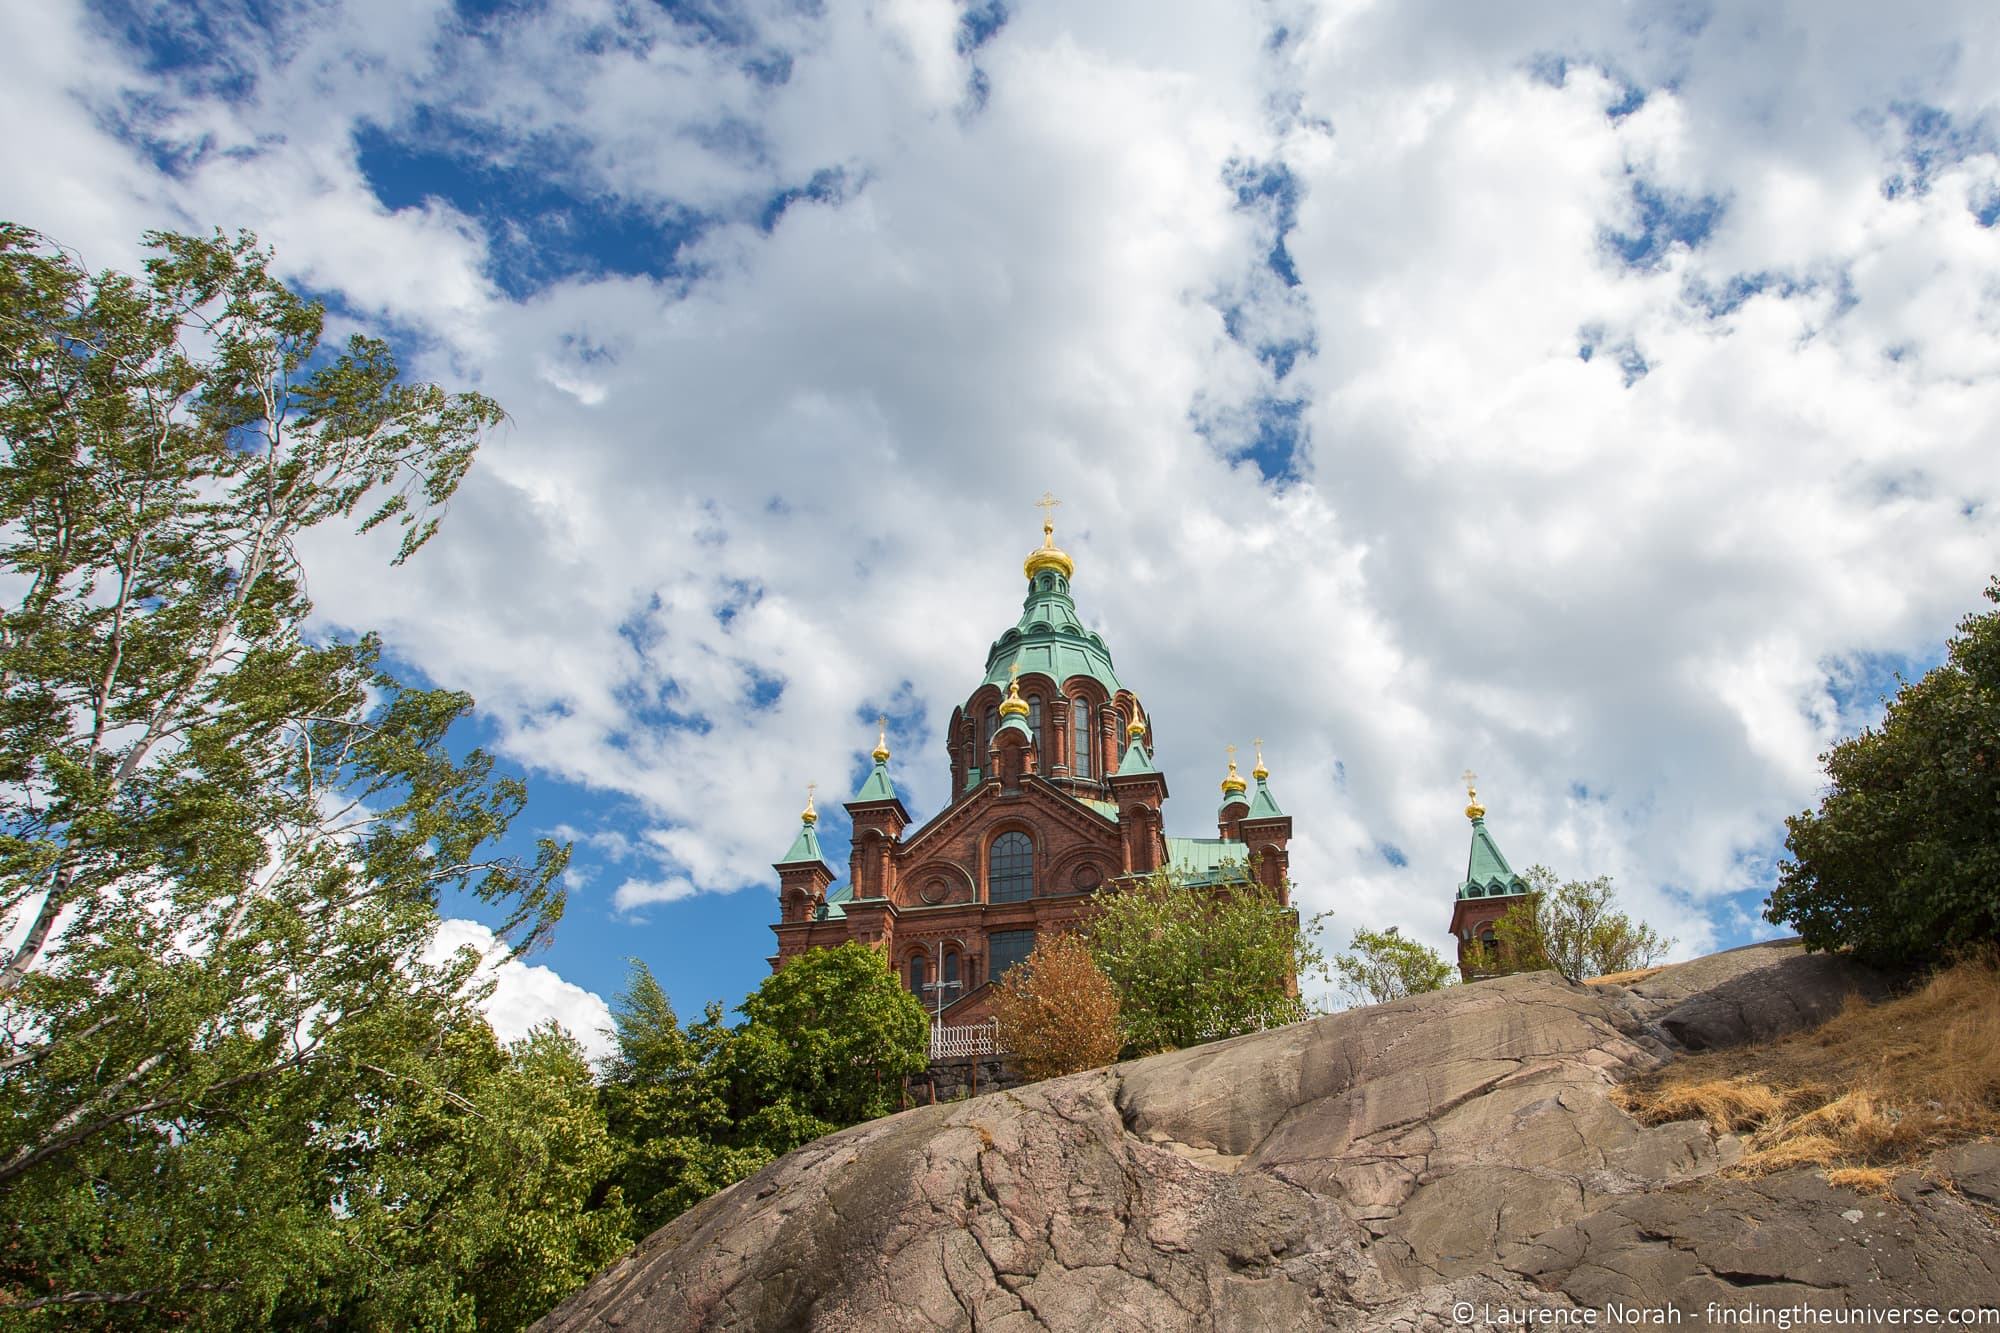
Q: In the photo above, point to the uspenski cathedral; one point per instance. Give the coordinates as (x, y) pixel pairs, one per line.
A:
(1055, 797)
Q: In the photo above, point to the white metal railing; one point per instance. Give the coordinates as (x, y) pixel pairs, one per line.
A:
(950, 1043)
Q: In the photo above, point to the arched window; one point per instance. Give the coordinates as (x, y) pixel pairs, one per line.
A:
(992, 725)
(1080, 719)
(951, 968)
(1035, 718)
(1010, 872)
(917, 975)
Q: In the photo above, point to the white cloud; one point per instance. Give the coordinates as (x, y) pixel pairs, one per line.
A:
(1629, 606)
(526, 994)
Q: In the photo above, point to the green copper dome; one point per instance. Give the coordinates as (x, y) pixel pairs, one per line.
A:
(1050, 639)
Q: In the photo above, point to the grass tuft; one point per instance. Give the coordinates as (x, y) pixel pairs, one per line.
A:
(1865, 1094)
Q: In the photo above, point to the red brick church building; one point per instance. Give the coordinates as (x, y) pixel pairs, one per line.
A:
(1055, 798)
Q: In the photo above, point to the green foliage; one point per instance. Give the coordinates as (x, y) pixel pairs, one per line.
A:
(1572, 929)
(1901, 862)
(826, 1042)
(1194, 963)
(1381, 965)
(236, 1096)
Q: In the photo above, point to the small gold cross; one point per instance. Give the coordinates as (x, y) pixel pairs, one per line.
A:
(1470, 778)
(1047, 503)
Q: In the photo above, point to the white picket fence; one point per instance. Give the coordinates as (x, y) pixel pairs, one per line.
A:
(951, 1043)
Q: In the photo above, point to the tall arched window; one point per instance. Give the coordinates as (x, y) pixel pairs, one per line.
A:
(917, 975)
(1010, 870)
(1035, 718)
(992, 725)
(1079, 712)
(951, 968)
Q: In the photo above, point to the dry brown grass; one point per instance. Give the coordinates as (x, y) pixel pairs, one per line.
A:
(1623, 978)
(1861, 1096)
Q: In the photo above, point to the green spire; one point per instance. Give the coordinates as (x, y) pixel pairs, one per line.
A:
(1487, 874)
(1135, 760)
(805, 847)
(876, 786)
(1262, 806)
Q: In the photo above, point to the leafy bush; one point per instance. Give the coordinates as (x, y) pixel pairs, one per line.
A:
(1058, 1012)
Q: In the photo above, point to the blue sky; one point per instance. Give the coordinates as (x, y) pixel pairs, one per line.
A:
(1602, 401)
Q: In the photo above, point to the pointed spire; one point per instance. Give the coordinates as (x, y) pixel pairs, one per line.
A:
(1263, 805)
(1487, 873)
(805, 847)
(877, 786)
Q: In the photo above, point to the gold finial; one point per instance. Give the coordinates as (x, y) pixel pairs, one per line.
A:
(1260, 772)
(1014, 705)
(1048, 555)
(1233, 785)
(1473, 809)
(881, 754)
(1137, 726)
(809, 815)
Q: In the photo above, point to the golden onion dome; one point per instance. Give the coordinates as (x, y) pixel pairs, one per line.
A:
(1473, 809)
(1048, 555)
(880, 754)
(1233, 784)
(1260, 772)
(809, 815)
(1014, 705)
(1137, 726)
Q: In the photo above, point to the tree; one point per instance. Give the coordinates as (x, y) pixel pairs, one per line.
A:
(222, 841)
(1901, 862)
(1193, 963)
(1058, 1012)
(832, 1035)
(1381, 965)
(667, 1102)
(827, 1041)
(1572, 929)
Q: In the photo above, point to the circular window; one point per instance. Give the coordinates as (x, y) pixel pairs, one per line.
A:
(934, 892)
(1087, 878)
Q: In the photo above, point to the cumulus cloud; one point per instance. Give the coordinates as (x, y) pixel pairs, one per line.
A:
(525, 995)
(1594, 398)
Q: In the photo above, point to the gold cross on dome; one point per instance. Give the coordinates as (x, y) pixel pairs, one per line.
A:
(1232, 754)
(1259, 743)
(1014, 671)
(882, 726)
(1046, 504)
(1470, 778)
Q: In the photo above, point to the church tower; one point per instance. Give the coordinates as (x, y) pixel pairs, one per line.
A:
(1490, 887)
(1054, 798)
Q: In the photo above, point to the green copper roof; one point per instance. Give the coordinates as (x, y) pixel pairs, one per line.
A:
(1050, 639)
(876, 787)
(1106, 808)
(1136, 760)
(831, 909)
(1487, 874)
(1017, 723)
(805, 847)
(1203, 859)
(1262, 806)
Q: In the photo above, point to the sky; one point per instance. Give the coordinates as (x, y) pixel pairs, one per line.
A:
(1601, 398)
